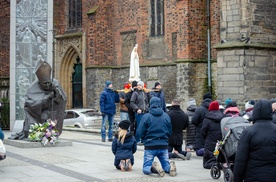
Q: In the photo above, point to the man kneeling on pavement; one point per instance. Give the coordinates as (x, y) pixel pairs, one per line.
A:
(155, 129)
(180, 121)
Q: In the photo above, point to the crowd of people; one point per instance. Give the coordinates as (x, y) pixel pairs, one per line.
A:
(149, 123)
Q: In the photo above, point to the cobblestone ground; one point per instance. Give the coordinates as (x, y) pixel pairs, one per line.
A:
(88, 159)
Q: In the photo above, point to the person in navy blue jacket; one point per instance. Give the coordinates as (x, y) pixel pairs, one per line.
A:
(108, 98)
(155, 129)
(123, 147)
(158, 92)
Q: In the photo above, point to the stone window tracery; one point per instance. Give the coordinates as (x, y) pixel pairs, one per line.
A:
(157, 18)
(75, 14)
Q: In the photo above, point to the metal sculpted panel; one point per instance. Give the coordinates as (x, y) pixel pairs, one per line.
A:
(31, 45)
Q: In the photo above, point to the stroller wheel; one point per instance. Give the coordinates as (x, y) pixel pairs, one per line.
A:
(228, 175)
(215, 171)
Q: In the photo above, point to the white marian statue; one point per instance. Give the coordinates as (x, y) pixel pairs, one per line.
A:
(134, 71)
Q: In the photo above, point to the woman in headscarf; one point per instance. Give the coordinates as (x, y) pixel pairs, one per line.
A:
(211, 133)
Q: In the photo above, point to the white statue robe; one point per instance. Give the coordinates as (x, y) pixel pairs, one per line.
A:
(134, 72)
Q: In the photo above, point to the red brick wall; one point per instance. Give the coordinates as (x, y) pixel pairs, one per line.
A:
(103, 28)
(4, 38)
(99, 31)
(187, 18)
(60, 14)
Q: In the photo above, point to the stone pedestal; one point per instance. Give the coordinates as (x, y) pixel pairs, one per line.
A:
(27, 144)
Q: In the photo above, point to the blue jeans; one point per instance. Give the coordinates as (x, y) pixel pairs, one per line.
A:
(161, 154)
(109, 118)
(124, 116)
(137, 120)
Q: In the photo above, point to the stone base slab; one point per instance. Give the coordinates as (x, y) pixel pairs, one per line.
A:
(28, 144)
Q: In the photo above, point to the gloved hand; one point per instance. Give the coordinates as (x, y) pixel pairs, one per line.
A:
(116, 91)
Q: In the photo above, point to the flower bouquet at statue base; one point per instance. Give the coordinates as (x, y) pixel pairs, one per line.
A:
(2, 151)
(44, 133)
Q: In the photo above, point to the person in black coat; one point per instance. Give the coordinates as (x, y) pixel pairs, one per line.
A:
(191, 130)
(180, 122)
(256, 153)
(131, 113)
(197, 119)
(211, 132)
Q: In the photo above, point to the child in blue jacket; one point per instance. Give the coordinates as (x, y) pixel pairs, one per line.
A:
(123, 147)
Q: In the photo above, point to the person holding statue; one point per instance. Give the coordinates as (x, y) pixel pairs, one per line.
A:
(45, 99)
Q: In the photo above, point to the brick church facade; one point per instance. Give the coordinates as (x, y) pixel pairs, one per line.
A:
(171, 37)
(94, 39)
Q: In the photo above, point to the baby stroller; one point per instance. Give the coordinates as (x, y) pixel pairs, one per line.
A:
(231, 129)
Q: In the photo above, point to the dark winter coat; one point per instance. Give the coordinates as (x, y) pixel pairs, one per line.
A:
(256, 153)
(211, 132)
(127, 100)
(130, 110)
(191, 130)
(160, 95)
(180, 122)
(125, 150)
(140, 100)
(155, 127)
(108, 98)
(197, 120)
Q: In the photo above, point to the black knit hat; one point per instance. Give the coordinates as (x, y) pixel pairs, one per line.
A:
(124, 124)
(134, 84)
(207, 95)
(156, 84)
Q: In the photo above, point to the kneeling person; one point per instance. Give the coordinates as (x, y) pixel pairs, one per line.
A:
(123, 147)
(180, 122)
(155, 129)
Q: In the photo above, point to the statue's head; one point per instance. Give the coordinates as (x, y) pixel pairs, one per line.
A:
(43, 73)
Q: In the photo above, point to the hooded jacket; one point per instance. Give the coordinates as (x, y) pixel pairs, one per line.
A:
(155, 127)
(256, 152)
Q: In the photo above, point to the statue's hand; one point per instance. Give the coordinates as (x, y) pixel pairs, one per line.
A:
(57, 96)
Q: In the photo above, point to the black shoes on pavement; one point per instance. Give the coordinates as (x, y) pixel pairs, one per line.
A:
(110, 139)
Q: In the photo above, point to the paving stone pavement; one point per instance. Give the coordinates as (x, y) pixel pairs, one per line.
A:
(89, 160)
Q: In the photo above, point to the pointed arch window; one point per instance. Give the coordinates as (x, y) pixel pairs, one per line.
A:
(157, 17)
(75, 14)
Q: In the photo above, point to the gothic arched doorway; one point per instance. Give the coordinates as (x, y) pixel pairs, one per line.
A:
(71, 78)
